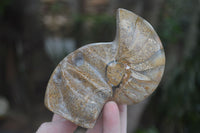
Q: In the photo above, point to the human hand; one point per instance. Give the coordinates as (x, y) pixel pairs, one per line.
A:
(113, 120)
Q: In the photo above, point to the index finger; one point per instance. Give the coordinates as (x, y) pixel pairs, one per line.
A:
(123, 117)
(111, 118)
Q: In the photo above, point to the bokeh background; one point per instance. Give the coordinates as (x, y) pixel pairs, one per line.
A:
(36, 34)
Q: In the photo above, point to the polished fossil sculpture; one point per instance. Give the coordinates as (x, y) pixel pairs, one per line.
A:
(126, 71)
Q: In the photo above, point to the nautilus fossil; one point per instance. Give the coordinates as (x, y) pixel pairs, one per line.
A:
(126, 71)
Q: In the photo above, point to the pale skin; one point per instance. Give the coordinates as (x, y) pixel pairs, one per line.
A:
(112, 120)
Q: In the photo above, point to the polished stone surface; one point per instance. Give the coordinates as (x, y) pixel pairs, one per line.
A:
(126, 70)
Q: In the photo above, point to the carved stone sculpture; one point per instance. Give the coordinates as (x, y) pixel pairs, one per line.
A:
(126, 71)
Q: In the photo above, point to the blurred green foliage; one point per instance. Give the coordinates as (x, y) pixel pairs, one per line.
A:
(98, 28)
(173, 31)
(179, 100)
(57, 8)
(105, 22)
(148, 130)
(3, 5)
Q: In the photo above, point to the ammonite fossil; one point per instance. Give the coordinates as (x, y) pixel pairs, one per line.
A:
(126, 71)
